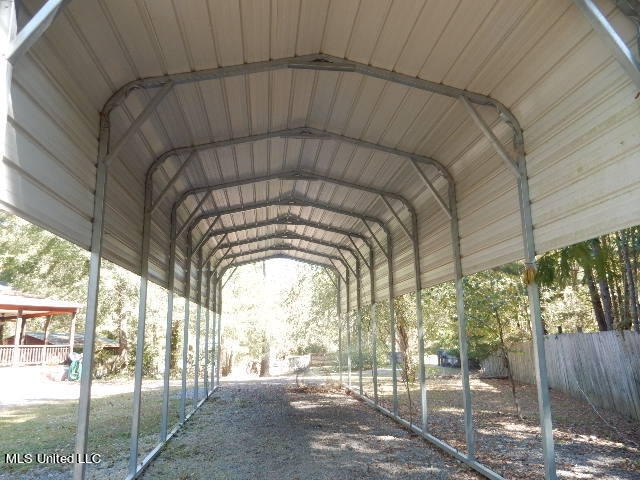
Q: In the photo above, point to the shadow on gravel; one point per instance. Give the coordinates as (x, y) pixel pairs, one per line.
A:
(273, 429)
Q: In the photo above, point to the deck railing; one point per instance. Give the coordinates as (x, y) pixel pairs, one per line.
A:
(33, 354)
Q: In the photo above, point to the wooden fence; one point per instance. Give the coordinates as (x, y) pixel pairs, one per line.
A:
(602, 368)
(34, 354)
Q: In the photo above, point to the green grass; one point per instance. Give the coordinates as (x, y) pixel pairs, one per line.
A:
(51, 428)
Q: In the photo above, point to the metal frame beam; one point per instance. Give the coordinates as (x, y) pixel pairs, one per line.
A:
(149, 108)
(317, 62)
(278, 248)
(286, 235)
(321, 62)
(281, 256)
(486, 130)
(34, 29)
(304, 132)
(396, 216)
(291, 202)
(293, 175)
(292, 220)
(299, 175)
(612, 39)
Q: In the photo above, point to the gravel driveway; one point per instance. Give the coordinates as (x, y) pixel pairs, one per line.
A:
(275, 430)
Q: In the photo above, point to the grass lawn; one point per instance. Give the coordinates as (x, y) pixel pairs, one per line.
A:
(50, 427)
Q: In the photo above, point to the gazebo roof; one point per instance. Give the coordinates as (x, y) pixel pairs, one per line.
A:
(13, 301)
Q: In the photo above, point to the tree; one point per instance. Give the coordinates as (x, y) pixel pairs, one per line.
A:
(36, 261)
(608, 266)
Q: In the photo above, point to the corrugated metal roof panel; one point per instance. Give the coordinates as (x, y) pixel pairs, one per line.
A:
(539, 58)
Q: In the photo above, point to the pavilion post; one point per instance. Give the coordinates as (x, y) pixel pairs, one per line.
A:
(16, 339)
(43, 356)
(72, 331)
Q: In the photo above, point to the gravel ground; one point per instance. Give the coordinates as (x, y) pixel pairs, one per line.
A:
(275, 430)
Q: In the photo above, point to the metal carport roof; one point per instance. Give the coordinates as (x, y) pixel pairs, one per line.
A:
(331, 111)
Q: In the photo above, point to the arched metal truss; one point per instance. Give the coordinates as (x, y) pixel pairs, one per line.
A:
(307, 133)
(162, 85)
(108, 151)
(289, 220)
(290, 236)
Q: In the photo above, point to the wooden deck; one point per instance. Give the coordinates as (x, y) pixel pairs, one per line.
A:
(33, 355)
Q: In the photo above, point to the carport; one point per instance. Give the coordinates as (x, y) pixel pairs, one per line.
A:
(399, 144)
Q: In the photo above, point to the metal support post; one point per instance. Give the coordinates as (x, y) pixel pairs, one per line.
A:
(415, 239)
(374, 332)
(540, 361)
(392, 321)
(219, 353)
(164, 420)
(97, 231)
(137, 382)
(142, 316)
(339, 316)
(185, 331)
(196, 368)
(214, 330)
(348, 325)
(359, 326)
(462, 325)
(207, 303)
(374, 360)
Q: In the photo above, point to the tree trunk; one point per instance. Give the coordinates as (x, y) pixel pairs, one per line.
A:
(624, 293)
(595, 299)
(507, 364)
(619, 311)
(22, 330)
(46, 330)
(266, 353)
(603, 284)
(632, 295)
(175, 344)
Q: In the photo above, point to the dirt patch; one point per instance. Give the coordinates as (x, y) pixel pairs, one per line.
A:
(276, 430)
(589, 443)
